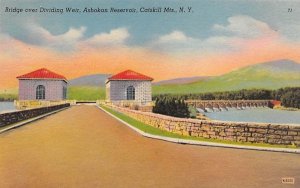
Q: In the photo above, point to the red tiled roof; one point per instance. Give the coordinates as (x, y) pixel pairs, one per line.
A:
(129, 75)
(42, 74)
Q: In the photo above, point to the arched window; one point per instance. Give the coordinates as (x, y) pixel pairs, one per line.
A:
(130, 93)
(40, 92)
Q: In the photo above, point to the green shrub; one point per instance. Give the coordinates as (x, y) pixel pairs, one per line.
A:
(171, 106)
(291, 99)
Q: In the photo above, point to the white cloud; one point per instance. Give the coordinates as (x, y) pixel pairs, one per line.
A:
(40, 36)
(35, 34)
(228, 37)
(177, 36)
(231, 37)
(114, 37)
(73, 34)
(179, 42)
(174, 41)
(244, 26)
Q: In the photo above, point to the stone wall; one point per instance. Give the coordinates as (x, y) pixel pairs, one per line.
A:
(117, 90)
(53, 89)
(29, 104)
(233, 131)
(14, 117)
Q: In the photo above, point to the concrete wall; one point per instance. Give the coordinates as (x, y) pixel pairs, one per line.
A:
(54, 89)
(233, 131)
(118, 90)
(14, 117)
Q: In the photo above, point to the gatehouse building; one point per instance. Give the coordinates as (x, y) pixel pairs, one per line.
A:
(129, 86)
(42, 84)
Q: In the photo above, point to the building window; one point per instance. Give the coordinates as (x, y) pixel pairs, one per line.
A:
(130, 93)
(64, 93)
(40, 92)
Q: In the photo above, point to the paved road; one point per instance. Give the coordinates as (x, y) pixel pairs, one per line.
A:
(84, 147)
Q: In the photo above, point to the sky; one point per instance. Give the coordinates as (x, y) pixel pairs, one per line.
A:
(216, 37)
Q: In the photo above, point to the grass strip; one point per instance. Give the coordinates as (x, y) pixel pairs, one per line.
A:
(156, 131)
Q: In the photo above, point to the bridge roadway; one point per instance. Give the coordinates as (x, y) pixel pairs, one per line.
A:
(84, 147)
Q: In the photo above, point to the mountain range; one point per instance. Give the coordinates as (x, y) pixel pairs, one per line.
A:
(99, 80)
(268, 75)
(90, 80)
(184, 80)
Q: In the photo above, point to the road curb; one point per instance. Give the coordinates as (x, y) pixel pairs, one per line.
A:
(202, 143)
(30, 120)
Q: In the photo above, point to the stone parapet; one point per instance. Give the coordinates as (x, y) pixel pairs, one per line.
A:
(14, 117)
(233, 131)
(30, 104)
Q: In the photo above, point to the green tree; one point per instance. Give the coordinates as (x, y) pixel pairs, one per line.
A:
(172, 106)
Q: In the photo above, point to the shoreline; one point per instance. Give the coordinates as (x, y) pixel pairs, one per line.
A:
(282, 108)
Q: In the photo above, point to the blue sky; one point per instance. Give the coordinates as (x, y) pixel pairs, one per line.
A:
(217, 37)
(146, 27)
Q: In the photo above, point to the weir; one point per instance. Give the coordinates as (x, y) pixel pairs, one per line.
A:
(221, 105)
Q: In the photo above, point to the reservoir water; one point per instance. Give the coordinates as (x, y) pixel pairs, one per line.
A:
(6, 107)
(260, 115)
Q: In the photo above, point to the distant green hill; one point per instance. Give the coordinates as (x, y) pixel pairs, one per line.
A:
(86, 92)
(270, 75)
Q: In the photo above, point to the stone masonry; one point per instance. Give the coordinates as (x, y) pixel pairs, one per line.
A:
(54, 89)
(14, 117)
(232, 131)
(117, 90)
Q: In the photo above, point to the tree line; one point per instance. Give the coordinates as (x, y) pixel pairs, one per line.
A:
(7, 97)
(290, 96)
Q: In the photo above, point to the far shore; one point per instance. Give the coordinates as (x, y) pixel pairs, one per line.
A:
(275, 107)
(285, 108)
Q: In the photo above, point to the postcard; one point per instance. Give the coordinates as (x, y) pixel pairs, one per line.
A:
(140, 93)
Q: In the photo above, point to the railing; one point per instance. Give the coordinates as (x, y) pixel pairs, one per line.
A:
(219, 104)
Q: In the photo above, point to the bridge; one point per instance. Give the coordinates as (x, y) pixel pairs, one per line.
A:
(225, 104)
(83, 146)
